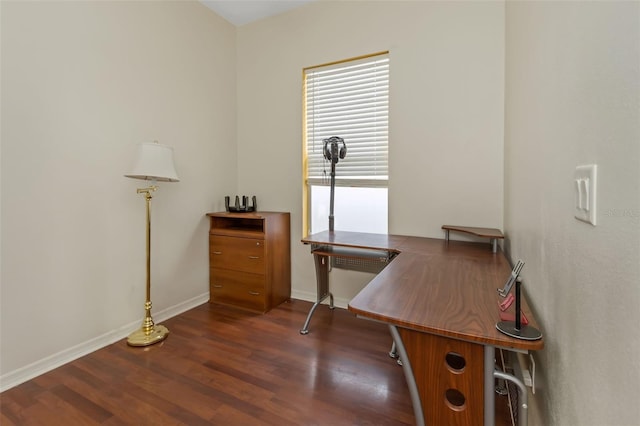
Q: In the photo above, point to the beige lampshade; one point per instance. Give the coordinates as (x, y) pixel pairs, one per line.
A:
(154, 162)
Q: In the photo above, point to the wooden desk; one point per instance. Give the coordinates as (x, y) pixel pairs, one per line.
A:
(439, 299)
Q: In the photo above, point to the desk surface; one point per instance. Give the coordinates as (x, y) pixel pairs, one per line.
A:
(434, 286)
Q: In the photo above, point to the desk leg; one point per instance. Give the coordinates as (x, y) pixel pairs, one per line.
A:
(408, 374)
(522, 392)
(322, 284)
(489, 386)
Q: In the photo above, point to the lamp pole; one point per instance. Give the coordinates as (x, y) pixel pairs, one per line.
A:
(149, 333)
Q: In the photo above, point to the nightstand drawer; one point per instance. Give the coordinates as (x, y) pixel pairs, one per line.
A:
(238, 254)
(238, 288)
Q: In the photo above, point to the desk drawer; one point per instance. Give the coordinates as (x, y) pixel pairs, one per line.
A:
(238, 254)
(238, 288)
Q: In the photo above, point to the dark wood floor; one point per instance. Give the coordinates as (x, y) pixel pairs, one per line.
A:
(221, 366)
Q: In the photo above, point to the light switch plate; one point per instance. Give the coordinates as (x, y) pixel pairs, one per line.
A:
(585, 186)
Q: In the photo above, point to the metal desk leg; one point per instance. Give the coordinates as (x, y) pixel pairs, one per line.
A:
(522, 391)
(322, 283)
(408, 374)
(489, 386)
(393, 353)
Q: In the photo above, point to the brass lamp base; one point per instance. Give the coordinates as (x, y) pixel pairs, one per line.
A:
(140, 338)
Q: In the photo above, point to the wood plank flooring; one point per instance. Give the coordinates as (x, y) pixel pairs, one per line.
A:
(222, 366)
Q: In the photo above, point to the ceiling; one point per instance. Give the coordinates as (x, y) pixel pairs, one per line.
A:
(240, 12)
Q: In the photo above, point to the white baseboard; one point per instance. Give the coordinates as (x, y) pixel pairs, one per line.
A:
(308, 296)
(21, 375)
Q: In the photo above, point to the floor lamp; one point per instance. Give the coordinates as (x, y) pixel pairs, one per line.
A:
(154, 162)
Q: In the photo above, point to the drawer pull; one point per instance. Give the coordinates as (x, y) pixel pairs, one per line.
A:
(254, 293)
(254, 257)
(217, 252)
(217, 286)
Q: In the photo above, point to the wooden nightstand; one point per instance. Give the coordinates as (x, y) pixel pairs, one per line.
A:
(250, 259)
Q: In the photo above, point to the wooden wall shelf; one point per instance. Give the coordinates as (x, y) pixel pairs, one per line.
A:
(492, 233)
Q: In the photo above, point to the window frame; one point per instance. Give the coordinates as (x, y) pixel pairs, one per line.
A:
(348, 181)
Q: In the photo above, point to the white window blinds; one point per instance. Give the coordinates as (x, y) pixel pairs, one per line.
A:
(350, 100)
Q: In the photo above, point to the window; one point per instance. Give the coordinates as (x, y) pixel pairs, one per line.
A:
(348, 99)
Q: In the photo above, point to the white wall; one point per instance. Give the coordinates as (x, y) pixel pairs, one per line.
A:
(446, 112)
(82, 84)
(573, 98)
